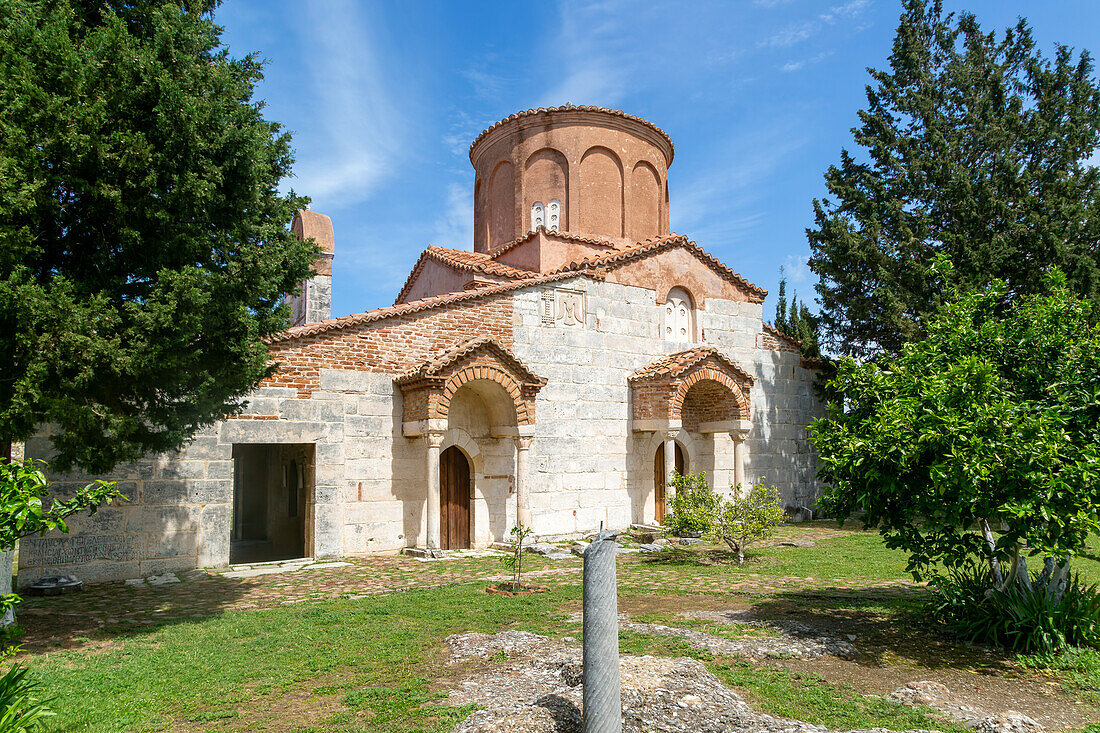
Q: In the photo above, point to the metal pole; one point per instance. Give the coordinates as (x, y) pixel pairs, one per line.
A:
(602, 709)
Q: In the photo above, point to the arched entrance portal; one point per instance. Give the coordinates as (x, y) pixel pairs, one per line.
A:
(454, 500)
(659, 479)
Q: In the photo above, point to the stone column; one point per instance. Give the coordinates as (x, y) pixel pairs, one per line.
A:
(601, 711)
(434, 441)
(739, 457)
(523, 498)
(670, 456)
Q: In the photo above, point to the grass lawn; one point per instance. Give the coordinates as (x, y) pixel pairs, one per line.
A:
(376, 663)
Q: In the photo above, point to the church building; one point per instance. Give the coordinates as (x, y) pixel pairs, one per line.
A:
(552, 376)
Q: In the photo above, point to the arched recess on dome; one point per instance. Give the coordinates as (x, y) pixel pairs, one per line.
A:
(481, 230)
(599, 202)
(644, 208)
(502, 204)
(545, 179)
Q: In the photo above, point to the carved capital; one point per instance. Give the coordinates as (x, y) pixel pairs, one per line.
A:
(435, 439)
(669, 434)
(739, 435)
(524, 442)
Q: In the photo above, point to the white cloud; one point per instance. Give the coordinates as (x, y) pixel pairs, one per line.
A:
(357, 126)
(793, 65)
(797, 269)
(799, 32)
(455, 226)
(797, 65)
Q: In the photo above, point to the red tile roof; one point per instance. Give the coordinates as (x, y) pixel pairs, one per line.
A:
(773, 331)
(575, 108)
(591, 267)
(437, 363)
(675, 365)
(656, 244)
(568, 236)
(460, 259)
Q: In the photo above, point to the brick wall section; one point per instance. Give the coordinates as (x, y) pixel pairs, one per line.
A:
(487, 366)
(392, 346)
(708, 401)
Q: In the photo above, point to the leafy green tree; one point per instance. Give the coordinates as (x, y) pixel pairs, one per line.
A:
(797, 320)
(747, 516)
(23, 513)
(144, 247)
(974, 146)
(980, 441)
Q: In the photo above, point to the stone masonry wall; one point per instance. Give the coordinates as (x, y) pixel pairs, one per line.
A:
(337, 393)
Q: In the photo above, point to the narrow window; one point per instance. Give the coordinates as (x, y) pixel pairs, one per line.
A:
(553, 216)
(538, 216)
(678, 317)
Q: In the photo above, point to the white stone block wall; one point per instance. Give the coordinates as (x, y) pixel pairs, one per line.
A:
(587, 466)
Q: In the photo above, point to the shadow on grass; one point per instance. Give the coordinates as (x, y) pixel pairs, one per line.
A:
(109, 611)
(885, 626)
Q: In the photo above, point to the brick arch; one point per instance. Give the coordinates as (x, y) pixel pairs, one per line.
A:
(484, 372)
(709, 374)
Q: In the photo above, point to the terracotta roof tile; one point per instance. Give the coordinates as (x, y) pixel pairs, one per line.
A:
(568, 236)
(413, 306)
(437, 363)
(677, 364)
(628, 254)
(773, 331)
(461, 259)
(574, 108)
(589, 266)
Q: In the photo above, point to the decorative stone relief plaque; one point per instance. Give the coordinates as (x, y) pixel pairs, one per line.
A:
(564, 307)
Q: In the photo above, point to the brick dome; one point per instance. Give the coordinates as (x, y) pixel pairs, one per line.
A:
(584, 170)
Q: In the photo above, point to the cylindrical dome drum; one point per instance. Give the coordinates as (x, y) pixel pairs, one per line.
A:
(583, 170)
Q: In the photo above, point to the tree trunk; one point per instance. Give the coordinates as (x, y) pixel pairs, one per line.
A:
(994, 563)
(5, 449)
(6, 561)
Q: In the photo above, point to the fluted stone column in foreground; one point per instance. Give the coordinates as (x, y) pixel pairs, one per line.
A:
(602, 709)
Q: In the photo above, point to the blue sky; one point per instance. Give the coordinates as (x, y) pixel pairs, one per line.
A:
(759, 96)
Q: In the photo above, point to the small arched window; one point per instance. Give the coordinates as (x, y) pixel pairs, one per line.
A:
(538, 215)
(678, 317)
(553, 216)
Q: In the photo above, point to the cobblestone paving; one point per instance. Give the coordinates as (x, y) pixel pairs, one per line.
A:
(115, 606)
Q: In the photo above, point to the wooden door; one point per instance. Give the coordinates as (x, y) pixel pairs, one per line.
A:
(659, 478)
(454, 499)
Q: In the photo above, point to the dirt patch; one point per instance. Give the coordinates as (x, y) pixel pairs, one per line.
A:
(896, 649)
(636, 605)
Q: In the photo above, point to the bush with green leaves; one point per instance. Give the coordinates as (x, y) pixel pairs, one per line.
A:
(1027, 618)
(23, 512)
(747, 517)
(694, 505)
(21, 705)
(978, 444)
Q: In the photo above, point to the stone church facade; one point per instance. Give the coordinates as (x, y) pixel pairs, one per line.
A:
(552, 376)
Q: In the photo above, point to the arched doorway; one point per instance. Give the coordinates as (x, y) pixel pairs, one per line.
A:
(454, 500)
(659, 478)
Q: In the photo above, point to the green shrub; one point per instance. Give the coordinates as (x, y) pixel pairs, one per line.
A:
(745, 518)
(21, 708)
(694, 505)
(1022, 619)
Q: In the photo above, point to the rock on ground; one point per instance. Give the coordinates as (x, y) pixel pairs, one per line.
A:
(940, 699)
(532, 684)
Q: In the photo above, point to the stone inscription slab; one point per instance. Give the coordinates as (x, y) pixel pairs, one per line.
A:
(51, 551)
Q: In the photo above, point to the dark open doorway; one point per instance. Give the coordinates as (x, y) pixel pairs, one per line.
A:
(271, 500)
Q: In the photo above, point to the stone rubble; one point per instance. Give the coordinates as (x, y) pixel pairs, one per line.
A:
(936, 696)
(650, 547)
(685, 541)
(532, 684)
(578, 548)
(795, 643)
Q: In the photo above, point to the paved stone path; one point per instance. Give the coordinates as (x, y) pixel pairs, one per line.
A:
(52, 620)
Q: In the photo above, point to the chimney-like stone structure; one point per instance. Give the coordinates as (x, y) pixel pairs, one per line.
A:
(314, 302)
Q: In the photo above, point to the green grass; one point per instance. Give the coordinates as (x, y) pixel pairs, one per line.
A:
(1077, 669)
(375, 664)
(808, 697)
(377, 655)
